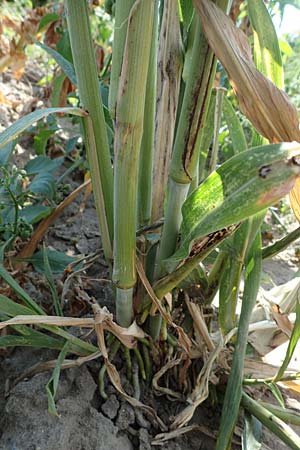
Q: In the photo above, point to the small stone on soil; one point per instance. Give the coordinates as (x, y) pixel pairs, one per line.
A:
(126, 417)
(110, 407)
(145, 439)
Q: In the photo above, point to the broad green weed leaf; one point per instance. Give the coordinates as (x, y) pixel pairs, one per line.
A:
(240, 188)
(25, 122)
(43, 184)
(43, 164)
(46, 19)
(58, 261)
(35, 213)
(40, 141)
(64, 46)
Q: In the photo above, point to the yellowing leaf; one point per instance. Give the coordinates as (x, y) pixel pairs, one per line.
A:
(267, 107)
(295, 199)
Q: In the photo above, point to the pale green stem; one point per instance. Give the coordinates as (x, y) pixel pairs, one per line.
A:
(168, 86)
(122, 10)
(89, 92)
(128, 136)
(193, 113)
(147, 146)
(177, 192)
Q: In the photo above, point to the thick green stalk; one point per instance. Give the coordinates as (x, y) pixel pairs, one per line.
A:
(176, 195)
(234, 387)
(273, 423)
(168, 86)
(90, 98)
(128, 136)
(147, 146)
(188, 136)
(122, 10)
(287, 415)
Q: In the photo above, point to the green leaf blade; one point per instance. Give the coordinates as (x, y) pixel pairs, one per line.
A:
(240, 188)
(14, 130)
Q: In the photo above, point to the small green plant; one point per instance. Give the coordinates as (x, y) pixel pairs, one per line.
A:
(172, 218)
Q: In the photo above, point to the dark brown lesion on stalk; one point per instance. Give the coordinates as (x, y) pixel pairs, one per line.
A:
(191, 138)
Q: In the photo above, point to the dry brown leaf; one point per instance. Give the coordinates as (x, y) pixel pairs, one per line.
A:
(66, 88)
(100, 55)
(160, 390)
(292, 385)
(201, 390)
(4, 100)
(114, 375)
(10, 23)
(18, 65)
(48, 365)
(267, 107)
(199, 323)
(183, 339)
(52, 36)
(282, 321)
(160, 439)
(295, 199)
(127, 336)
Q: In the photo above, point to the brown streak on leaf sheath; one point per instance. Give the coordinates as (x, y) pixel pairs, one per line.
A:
(192, 130)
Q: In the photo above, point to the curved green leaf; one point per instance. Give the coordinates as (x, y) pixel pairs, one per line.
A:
(244, 185)
(43, 164)
(22, 124)
(267, 52)
(65, 65)
(43, 184)
(35, 339)
(235, 128)
(35, 213)
(233, 393)
(292, 345)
